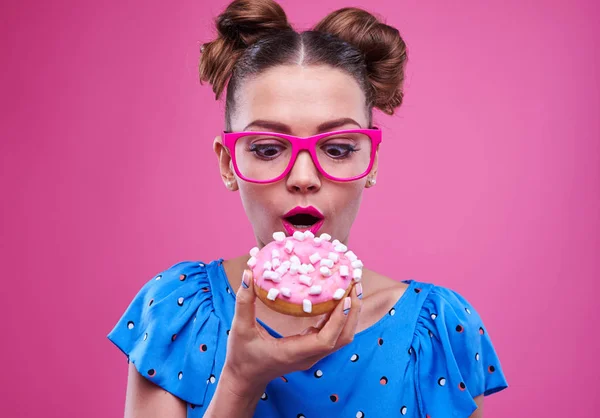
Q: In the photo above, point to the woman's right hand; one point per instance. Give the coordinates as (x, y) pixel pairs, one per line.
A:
(254, 357)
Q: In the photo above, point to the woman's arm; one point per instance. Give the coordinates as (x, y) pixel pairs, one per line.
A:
(230, 400)
(479, 412)
(144, 399)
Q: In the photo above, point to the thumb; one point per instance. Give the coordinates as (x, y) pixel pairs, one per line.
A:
(245, 312)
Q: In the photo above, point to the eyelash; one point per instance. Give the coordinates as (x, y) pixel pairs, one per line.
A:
(349, 149)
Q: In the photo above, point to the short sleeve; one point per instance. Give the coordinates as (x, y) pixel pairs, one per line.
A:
(169, 331)
(456, 360)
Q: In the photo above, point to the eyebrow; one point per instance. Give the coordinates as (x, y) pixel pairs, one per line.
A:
(285, 129)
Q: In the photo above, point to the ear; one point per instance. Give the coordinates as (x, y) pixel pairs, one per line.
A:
(225, 164)
(372, 176)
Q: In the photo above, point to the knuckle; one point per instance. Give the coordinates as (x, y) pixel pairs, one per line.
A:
(242, 299)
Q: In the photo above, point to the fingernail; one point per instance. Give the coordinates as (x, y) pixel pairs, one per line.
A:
(246, 279)
(359, 290)
(347, 303)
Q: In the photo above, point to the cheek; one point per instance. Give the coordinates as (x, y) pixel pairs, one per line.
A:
(260, 203)
(346, 201)
(253, 199)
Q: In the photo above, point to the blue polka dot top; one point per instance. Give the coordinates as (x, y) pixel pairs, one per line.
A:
(429, 356)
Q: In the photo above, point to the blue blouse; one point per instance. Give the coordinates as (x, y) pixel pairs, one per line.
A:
(428, 357)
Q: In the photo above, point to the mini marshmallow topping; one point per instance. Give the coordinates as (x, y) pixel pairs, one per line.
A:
(325, 237)
(344, 271)
(339, 294)
(299, 236)
(314, 258)
(289, 247)
(324, 270)
(279, 236)
(327, 262)
(307, 306)
(252, 262)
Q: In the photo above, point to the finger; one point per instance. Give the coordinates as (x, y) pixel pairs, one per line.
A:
(324, 341)
(323, 320)
(347, 334)
(310, 330)
(245, 308)
(332, 330)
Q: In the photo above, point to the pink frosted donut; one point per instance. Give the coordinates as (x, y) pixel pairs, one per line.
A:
(303, 275)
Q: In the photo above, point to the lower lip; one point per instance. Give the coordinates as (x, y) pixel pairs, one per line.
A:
(290, 229)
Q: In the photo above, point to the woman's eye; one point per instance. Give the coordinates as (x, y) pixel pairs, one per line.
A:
(339, 150)
(266, 150)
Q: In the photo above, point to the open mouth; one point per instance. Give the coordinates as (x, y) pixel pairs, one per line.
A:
(303, 219)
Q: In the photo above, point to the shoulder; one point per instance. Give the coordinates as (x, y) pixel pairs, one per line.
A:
(448, 303)
(178, 273)
(455, 359)
(447, 316)
(172, 313)
(452, 342)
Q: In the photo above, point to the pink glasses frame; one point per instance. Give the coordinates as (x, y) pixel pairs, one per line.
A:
(302, 144)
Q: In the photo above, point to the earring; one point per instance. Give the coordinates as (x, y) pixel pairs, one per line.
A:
(229, 183)
(372, 182)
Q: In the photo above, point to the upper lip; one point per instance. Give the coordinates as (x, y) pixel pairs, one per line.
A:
(311, 210)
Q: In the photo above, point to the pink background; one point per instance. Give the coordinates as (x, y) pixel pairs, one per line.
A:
(489, 183)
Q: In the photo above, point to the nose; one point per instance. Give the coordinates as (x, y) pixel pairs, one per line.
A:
(304, 177)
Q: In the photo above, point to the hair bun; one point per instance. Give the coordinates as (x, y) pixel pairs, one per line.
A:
(384, 50)
(240, 25)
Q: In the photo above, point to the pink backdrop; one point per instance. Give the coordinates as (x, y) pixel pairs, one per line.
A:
(489, 183)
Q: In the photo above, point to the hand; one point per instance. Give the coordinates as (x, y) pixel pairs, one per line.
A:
(254, 357)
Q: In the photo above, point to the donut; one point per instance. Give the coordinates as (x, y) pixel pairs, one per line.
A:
(303, 275)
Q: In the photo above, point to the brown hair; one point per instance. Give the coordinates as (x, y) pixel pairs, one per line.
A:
(254, 35)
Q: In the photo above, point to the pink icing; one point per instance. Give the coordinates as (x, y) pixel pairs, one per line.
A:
(303, 250)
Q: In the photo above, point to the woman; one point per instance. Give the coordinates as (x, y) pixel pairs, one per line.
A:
(405, 348)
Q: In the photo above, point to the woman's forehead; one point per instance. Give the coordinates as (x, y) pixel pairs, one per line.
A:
(300, 97)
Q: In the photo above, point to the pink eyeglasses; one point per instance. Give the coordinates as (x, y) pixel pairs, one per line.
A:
(267, 157)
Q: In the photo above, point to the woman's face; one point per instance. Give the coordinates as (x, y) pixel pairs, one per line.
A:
(296, 100)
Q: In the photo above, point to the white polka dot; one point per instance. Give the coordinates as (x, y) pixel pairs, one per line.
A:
(263, 396)
(360, 414)
(145, 336)
(201, 264)
(180, 375)
(319, 373)
(130, 325)
(354, 357)
(403, 410)
(477, 356)
(158, 277)
(468, 311)
(392, 312)
(180, 301)
(430, 334)
(433, 316)
(442, 381)
(212, 379)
